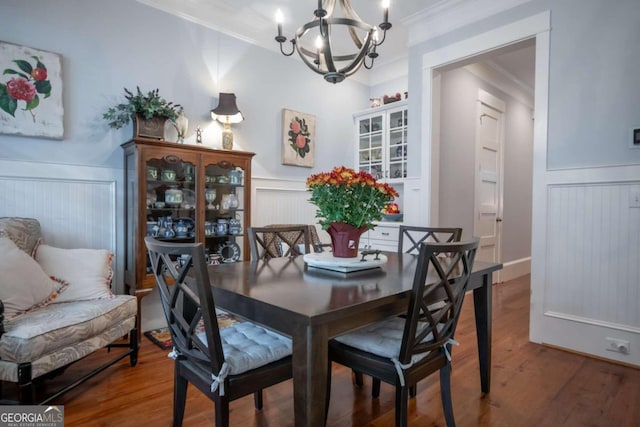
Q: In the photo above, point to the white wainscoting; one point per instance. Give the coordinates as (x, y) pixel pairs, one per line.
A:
(277, 201)
(594, 240)
(591, 268)
(76, 205)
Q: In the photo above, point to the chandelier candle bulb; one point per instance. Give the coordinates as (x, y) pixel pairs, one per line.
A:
(279, 19)
(385, 6)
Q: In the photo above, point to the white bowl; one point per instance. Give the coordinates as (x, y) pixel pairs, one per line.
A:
(392, 217)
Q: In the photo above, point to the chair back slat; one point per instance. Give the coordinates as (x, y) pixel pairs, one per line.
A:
(267, 242)
(187, 300)
(416, 235)
(440, 282)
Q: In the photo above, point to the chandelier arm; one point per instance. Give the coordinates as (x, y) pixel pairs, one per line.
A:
(293, 48)
(370, 66)
(384, 36)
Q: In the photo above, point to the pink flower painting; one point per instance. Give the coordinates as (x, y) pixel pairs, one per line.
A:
(298, 141)
(30, 92)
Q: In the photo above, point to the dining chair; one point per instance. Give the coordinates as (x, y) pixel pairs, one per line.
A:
(404, 350)
(416, 235)
(277, 241)
(224, 364)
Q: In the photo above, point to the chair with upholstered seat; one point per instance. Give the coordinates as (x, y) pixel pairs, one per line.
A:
(416, 235)
(276, 241)
(223, 364)
(403, 350)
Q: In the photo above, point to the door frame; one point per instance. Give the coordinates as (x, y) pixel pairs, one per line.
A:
(538, 27)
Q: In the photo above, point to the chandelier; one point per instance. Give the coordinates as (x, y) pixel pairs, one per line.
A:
(331, 54)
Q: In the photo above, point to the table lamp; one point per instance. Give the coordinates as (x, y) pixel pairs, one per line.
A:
(226, 113)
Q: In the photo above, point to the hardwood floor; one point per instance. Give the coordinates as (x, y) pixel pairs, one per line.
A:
(531, 385)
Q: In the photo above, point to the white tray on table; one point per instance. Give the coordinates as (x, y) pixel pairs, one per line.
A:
(327, 261)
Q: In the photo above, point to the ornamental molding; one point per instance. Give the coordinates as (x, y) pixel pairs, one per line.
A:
(446, 16)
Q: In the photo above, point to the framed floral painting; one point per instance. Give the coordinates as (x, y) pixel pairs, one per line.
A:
(298, 138)
(30, 92)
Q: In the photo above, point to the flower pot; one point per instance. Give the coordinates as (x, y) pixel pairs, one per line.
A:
(345, 239)
(151, 129)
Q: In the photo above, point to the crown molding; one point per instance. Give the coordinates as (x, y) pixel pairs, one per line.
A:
(448, 15)
(503, 80)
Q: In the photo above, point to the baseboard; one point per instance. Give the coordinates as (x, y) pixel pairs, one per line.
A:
(514, 269)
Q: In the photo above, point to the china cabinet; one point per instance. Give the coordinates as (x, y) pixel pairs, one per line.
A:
(183, 193)
(381, 141)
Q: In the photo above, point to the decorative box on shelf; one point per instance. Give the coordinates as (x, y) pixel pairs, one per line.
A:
(390, 99)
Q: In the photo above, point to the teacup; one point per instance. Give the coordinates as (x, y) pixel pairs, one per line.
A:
(168, 175)
(152, 173)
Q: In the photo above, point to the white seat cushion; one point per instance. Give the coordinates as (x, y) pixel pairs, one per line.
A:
(247, 346)
(382, 338)
(45, 330)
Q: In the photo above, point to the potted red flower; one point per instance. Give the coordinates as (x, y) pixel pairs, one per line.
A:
(348, 203)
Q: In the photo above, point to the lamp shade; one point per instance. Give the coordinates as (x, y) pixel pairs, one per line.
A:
(227, 110)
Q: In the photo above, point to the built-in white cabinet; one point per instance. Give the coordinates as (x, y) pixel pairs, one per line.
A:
(381, 149)
(384, 236)
(381, 141)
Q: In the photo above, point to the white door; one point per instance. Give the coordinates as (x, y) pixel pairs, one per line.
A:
(488, 177)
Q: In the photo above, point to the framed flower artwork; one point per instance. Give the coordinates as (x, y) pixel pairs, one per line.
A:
(298, 138)
(30, 92)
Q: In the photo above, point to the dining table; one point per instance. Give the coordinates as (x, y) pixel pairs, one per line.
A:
(312, 305)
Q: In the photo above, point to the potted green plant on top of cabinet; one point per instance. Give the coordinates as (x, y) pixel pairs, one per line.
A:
(148, 111)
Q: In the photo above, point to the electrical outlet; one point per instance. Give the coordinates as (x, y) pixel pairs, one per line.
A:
(635, 138)
(617, 345)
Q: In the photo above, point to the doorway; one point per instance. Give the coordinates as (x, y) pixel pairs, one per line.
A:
(475, 96)
(535, 26)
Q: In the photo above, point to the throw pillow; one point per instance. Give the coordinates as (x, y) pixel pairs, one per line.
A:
(24, 286)
(25, 232)
(87, 271)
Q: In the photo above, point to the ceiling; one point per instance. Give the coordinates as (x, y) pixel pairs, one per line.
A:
(254, 22)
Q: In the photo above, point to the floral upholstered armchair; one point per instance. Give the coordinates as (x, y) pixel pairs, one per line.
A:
(56, 308)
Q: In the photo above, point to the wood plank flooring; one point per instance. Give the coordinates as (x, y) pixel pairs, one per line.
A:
(531, 385)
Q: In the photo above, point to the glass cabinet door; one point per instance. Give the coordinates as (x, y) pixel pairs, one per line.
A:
(397, 154)
(171, 199)
(370, 154)
(224, 211)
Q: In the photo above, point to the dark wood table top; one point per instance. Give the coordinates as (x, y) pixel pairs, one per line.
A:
(310, 294)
